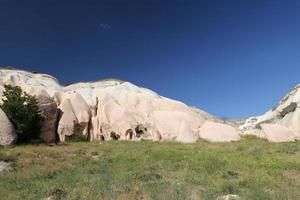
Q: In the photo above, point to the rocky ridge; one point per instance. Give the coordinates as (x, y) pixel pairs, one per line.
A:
(96, 109)
(280, 124)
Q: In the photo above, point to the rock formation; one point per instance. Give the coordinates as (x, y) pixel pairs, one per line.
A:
(48, 108)
(75, 116)
(7, 131)
(96, 109)
(217, 132)
(281, 124)
(278, 133)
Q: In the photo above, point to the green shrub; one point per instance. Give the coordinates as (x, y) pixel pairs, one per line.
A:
(140, 130)
(76, 138)
(114, 136)
(23, 112)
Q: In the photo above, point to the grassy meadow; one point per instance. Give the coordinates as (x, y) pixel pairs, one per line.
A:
(251, 168)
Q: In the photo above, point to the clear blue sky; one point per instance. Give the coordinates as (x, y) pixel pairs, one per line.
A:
(232, 58)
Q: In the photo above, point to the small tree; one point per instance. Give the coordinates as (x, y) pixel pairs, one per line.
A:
(23, 111)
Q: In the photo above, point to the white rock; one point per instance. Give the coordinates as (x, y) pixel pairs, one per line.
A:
(286, 113)
(23, 78)
(217, 132)
(292, 120)
(67, 121)
(7, 131)
(95, 109)
(279, 133)
(176, 125)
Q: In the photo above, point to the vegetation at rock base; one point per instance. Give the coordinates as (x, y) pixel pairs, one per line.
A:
(251, 168)
(140, 130)
(114, 136)
(23, 112)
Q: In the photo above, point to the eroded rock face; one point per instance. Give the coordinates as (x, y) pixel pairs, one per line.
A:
(82, 112)
(279, 133)
(291, 120)
(27, 79)
(7, 131)
(48, 108)
(120, 107)
(217, 132)
(41, 86)
(67, 120)
(280, 124)
(95, 109)
(94, 123)
(75, 116)
(176, 125)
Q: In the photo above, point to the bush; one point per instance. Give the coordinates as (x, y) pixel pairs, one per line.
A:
(23, 112)
(140, 130)
(76, 138)
(114, 136)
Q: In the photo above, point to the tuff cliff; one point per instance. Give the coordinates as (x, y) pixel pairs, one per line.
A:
(95, 109)
(280, 124)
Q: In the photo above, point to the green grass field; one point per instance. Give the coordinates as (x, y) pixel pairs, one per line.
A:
(251, 168)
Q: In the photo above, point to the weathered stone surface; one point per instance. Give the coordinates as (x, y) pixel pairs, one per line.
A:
(82, 112)
(286, 113)
(217, 132)
(7, 131)
(42, 86)
(95, 109)
(290, 108)
(27, 79)
(48, 109)
(67, 120)
(173, 125)
(292, 120)
(75, 116)
(279, 133)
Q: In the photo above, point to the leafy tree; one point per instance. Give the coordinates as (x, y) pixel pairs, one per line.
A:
(23, 111)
